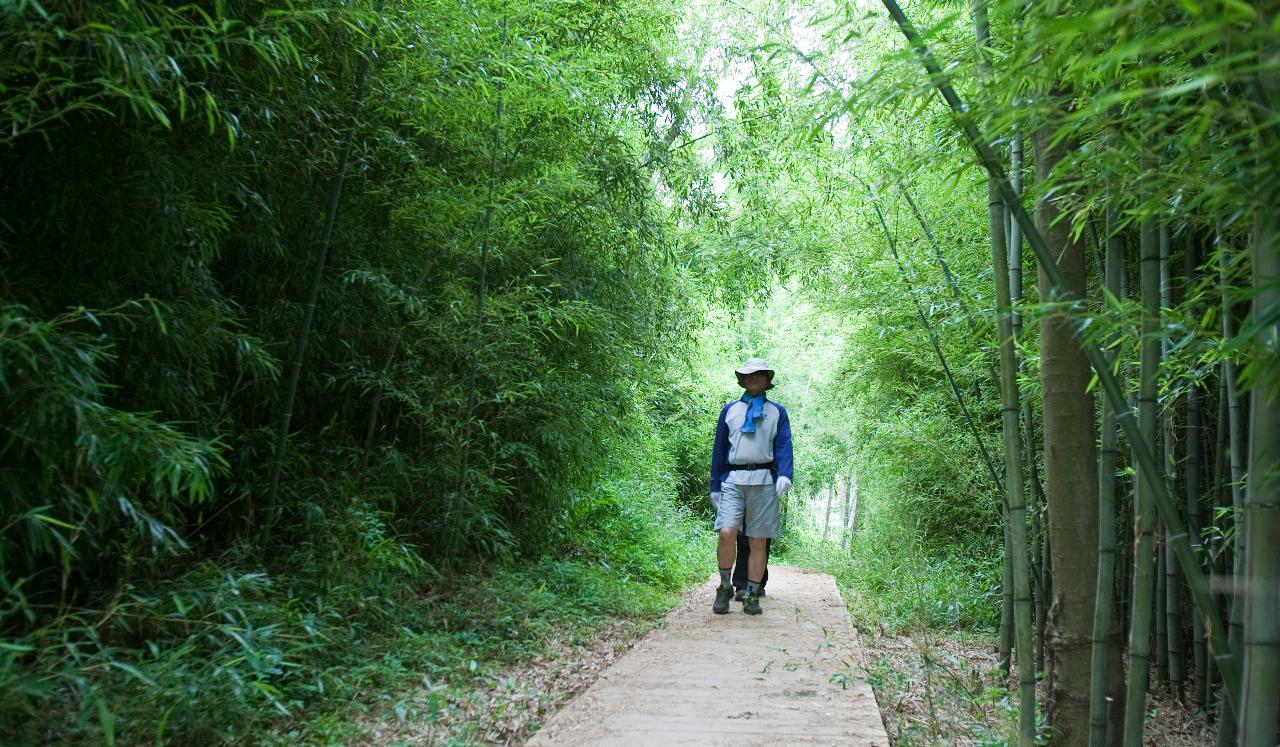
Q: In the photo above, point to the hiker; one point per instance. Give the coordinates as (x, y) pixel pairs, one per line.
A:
(750, 470)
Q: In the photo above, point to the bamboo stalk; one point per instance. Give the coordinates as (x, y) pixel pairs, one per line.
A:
(270, 508)
(844, 525)
(1171, 653)
(1041, 581)
(1139, 445)
(1228, 726)
(1004, 645)
(482, 289)
(1009, 412)
(1104, 593)
(1148, 479)
(1160, 620)
(1259, 705)
(937, 346)
(1193, 484)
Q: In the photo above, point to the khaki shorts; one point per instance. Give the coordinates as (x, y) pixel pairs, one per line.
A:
(751, 509)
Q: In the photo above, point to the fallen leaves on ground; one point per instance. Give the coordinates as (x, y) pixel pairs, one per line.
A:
(943, 689)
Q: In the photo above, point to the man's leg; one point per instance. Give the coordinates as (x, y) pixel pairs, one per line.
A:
(755, 568)
(740, 568)
(761, 524)
(728, 522)
(726, 548)
(768, 548)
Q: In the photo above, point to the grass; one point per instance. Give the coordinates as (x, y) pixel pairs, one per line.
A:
(896, 584)
(441, 672)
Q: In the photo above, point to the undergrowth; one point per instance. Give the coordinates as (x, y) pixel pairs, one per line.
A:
(893, 583)
(304, 647)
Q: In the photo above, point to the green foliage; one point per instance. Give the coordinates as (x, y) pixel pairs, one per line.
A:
(494, 322)
(84, 480)
(220, 652)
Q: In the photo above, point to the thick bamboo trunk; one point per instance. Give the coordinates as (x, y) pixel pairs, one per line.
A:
(1260, 704)
(1071, 472)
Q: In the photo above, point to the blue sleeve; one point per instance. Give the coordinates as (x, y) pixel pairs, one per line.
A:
(720, 450)
(782, 444)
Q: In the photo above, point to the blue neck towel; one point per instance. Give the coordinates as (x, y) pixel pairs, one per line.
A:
(755, 411)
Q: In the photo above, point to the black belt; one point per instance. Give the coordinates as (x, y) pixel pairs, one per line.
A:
(764, 465)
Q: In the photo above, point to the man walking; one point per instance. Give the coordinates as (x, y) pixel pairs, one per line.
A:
(750, 470)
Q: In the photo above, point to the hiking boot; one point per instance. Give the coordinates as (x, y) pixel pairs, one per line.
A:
(762, 591)
(723, 595)
(737, 594)
(751, 604)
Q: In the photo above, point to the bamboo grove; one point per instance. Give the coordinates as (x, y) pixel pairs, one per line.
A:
(304, 306)
(347, 290)
(1127, 151)
(1080, 119)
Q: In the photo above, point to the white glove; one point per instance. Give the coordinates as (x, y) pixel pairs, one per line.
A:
(715, 499)
(784, 484)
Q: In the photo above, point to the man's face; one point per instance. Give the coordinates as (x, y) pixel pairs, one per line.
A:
(755, 383)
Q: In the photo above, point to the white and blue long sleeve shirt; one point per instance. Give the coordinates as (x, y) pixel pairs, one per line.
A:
(769, 444)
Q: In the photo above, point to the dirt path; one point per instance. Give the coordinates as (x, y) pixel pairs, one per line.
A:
(787, 677)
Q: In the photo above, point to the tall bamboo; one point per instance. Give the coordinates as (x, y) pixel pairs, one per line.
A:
(1172, 653)
(270, 508)
(826, 516)
(844, 525)
(1009, 410)
(1139, 446)
(455, 498)
(1013, 248)
(1104, 590)
(1040, 577)
(1004, 643)
(1260, 706)
(1144, 514)
(934, 341)
(1194, 485)
(1070, 466)
(1228, 722)
(1220, 494)
(1159, 621)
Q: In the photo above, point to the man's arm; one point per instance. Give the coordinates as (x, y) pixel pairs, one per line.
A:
(782, 444)
(720, 450)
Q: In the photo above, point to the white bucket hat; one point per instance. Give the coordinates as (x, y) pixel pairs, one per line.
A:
(752, 365)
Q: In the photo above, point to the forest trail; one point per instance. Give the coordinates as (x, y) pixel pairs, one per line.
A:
(790, 676)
